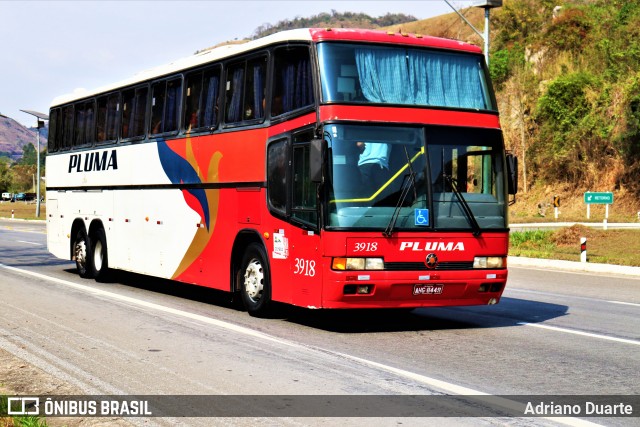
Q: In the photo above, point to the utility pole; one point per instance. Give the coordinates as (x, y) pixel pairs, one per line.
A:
(487, 5)
(40, 118)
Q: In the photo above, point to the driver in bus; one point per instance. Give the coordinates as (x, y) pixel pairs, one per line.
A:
(373, 164)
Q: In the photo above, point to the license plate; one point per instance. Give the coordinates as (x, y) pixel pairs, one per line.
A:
(425, 289)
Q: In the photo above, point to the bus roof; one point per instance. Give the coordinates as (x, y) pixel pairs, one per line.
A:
(306, 34)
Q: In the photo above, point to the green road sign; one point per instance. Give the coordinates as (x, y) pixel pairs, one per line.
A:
(598, 198)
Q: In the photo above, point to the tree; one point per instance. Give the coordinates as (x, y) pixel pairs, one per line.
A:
(5, 175)
(23, 177)
(29, 155)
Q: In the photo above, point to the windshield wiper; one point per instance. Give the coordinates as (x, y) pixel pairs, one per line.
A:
(465, 206)
(408, 182)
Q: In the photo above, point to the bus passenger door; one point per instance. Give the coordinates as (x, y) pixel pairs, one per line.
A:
(304, 249)
(292, 198)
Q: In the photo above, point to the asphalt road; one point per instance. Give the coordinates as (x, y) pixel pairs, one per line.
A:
(553, 333)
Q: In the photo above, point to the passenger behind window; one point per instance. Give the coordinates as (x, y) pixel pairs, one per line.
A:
(156, 128)
(193, 120)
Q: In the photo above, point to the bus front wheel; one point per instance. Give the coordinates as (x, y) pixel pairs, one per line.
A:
(255, 281)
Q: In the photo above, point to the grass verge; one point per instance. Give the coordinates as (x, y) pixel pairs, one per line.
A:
(22, 421)
(619, 247)
(22, 210)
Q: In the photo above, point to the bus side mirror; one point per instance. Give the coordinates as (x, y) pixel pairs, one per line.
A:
(315, 160)
(512, 174)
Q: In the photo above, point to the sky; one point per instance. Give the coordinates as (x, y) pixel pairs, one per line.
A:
(51, 48)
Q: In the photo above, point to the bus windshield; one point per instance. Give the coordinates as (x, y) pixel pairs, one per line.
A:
(415, 178)
(403, 75)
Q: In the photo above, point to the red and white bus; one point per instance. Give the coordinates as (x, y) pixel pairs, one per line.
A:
(324, 168)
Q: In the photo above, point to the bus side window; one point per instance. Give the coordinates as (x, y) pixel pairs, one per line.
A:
(255, 90)
(67, 127)
(158, 93)
(192, 100)
(90, 122)
(79, 126)
(211, 88)
(235, 80)
(172, 106)
(277, 175)
(127, 113)
(84, 124)
(201, 106)
(304, 201)
(107, 117)
(245, 90)
(292, 80)
(134, 108)
(165, 105)
(53, 141)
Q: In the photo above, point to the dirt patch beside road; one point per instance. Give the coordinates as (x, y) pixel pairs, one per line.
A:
(19, 378)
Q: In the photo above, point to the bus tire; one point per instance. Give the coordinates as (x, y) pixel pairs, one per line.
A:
(99, 264)
(81, 254)
(254, 278)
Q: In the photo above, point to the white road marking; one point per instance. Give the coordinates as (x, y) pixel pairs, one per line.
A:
(625, 303)
(29, 243)
(584, 334)
(551, 294)
(439, 384)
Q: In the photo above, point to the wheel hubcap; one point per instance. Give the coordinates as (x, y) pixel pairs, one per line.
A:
(97, 256)
(254, 280)
(81, 253)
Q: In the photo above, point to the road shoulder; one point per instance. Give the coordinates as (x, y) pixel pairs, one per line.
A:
(573, 266)
(20, 378)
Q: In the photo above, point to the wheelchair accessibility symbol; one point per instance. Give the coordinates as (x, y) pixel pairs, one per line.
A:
(422, 217)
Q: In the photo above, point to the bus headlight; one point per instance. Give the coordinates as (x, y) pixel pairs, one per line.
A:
(373, 264)
(488, 262)
(357, 264)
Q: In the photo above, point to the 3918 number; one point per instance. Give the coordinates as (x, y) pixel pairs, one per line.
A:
(305, 267)
(366, 247)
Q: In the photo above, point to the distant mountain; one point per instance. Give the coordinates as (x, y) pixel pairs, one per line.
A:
(14, 136)
(334, 19)
(324, 20)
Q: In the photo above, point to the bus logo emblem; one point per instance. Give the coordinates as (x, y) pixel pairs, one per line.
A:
(431, 261)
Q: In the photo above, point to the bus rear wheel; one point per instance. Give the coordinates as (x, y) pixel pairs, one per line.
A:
(99, 264)
(255, 281)
(81, 254)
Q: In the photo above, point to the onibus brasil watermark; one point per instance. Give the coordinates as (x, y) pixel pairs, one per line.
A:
(575, 409)
(436, 405)
(81, 407)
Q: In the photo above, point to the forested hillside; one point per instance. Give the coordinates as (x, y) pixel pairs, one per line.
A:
(568, 81)
(567, 75)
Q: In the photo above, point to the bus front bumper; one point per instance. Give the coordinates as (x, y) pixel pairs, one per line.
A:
(373, 289)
